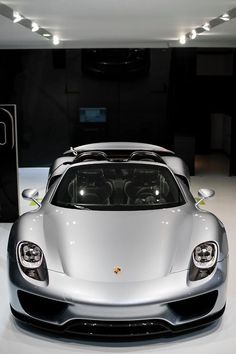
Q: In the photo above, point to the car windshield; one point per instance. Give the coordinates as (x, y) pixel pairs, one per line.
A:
(118, 186)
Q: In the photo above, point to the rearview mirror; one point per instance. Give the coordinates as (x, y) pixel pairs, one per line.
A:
(205, 193)
(31, 194)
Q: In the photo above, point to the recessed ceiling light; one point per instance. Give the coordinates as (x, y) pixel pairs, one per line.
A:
(55, 40)
(17, 17)
(193, 34)
(225, 17)
(34, 27)
(182, 39)
(206, 26)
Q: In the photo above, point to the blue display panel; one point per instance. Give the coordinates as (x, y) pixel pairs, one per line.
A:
(93, 115)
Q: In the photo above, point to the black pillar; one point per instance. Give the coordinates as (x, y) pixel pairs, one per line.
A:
(9, 210)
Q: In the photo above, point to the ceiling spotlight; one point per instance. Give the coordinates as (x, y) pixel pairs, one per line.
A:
(55, 40)
(34, 27)
(17, 17)
(182, 39)
(225, 17)
(193, 34)
(206, 26)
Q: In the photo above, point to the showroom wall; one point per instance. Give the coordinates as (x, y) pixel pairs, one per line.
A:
(172, 102)
(136, 106)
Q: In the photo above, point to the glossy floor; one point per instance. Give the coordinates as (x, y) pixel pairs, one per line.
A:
(217, 338)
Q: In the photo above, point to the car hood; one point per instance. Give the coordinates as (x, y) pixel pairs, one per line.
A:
(145, 245)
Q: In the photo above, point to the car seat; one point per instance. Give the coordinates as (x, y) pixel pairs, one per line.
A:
(146, 187)
(90, 187)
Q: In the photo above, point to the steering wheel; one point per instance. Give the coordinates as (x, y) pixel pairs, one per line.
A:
(146, 195)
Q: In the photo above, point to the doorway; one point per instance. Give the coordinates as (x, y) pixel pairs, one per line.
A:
(217, 160)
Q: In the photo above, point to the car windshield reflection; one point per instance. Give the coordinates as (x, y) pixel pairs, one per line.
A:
(118, 186)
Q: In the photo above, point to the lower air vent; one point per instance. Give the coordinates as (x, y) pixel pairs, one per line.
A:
(195, 306)
(41, 307)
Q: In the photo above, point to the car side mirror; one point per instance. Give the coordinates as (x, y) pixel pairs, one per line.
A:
(31, 194)
(204, 193)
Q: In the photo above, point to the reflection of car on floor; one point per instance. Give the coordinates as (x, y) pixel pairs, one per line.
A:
(119, 247)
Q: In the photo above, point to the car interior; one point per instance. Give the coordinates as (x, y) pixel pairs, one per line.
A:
(111, 185)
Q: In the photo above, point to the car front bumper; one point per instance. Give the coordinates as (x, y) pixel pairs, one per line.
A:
(170, 304)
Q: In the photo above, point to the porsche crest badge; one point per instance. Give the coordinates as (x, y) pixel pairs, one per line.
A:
(117, 269)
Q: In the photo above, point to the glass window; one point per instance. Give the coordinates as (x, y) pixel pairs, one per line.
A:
(118, 186)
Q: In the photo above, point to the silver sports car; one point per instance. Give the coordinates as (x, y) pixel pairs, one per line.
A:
(118, 248)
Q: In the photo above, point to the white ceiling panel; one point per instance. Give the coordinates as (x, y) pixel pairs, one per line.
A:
(117, 23)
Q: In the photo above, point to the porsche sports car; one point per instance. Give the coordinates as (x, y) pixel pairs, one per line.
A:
(118, 248)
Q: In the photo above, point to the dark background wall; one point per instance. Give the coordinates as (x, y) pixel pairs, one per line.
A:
(172, 105)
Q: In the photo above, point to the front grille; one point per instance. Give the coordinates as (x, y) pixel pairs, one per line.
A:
(45, 313)
(116, 328)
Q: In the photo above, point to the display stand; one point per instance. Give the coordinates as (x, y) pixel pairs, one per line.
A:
(9, 208)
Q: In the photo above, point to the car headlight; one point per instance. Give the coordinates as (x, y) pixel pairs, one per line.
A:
(204, 258)
(30, 255)
(205, 255)
(32, 260)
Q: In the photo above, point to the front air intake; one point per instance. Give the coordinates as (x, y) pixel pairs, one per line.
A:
(41, 307)
(195, 306)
